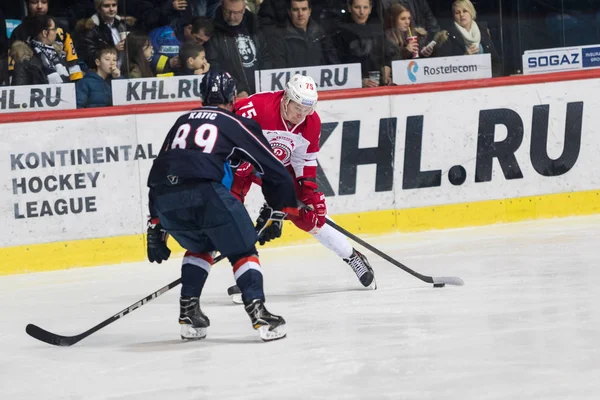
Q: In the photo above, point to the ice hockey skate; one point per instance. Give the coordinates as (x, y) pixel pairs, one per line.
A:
(361, 267)
(270, 327)
(193, 322)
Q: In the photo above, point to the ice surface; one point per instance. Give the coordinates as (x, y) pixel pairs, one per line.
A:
(526, 325)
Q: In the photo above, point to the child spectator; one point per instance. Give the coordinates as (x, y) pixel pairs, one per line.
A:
(193, 59)
(139, 53)
(95, 90)
(104, 28)
(167, 40)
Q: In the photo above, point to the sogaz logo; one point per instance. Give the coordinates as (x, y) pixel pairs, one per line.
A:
(412, 69)
(555, 60)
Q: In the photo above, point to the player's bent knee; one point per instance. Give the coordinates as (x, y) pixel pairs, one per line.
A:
(208, 257)
(234, 258)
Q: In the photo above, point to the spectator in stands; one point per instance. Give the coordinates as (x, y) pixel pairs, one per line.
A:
(167, 41)
(204, 8)
(95, 89)
(420, 12)
(48, 54)
(37, 8)
(273, 15)
(253, 5)
(28, 69)
(3, 51)
(138, 54)
(156, 13)
(360, 40)
(105, 28)
(303, 42)
(237, 45)
(467, 37)
(398, 28)
(193, 59)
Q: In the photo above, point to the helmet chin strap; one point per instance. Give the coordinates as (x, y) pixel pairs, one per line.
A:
(286, 101)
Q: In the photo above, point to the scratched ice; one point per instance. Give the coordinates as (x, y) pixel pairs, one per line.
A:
(525, 326)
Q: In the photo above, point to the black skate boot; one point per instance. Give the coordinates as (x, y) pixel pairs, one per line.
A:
(193, 321)
(362, 269)
(269, 326)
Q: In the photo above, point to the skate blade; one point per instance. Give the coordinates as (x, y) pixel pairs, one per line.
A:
(188, 332)
(269, 335)
(237, 298)
(373, 285)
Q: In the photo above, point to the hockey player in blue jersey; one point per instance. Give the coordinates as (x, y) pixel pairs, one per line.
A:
(190, 200)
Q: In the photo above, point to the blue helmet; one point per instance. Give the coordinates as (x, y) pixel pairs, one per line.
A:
(217, 88)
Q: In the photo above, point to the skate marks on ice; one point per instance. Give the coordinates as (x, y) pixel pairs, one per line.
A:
(525, 326)
(187, 345)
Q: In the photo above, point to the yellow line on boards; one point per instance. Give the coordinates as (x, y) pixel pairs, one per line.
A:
(132, 248)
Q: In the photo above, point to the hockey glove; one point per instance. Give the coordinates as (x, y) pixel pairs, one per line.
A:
(156, 241)
(269, 224)
(243, 179)
(315, 210)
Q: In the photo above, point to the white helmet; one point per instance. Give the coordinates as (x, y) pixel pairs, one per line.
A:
(302, 90)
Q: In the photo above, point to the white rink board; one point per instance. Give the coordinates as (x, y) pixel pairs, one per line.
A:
(450, 124)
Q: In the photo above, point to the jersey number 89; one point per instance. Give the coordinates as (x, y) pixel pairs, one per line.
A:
(205, 137)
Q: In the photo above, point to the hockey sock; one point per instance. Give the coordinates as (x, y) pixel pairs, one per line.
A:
(334, 241)
(248, 276)
(195, 268)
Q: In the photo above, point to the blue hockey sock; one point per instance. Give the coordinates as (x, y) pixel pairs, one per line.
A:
(195, 268)
(249, 278)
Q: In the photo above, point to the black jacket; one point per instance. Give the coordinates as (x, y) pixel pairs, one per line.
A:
(3, 51)
(156, 13)
(299, 49)
(364, 44)
(93, 33)
(223, 55)
(273, 14)
(456, 46)
(28, 69)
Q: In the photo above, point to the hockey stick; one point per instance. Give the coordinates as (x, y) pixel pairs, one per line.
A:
(58, 340)
(437, 281)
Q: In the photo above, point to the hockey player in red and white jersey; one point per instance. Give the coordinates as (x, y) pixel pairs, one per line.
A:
(289, 121)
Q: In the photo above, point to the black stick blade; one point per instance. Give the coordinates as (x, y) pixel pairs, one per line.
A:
(51, 338)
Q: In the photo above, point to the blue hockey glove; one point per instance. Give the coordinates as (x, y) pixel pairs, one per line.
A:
(156, 241)
(269, 224)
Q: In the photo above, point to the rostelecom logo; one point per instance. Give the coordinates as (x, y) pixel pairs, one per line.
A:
(412, 69)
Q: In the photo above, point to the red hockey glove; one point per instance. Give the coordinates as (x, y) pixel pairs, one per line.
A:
(316, 210)
(242, 181)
